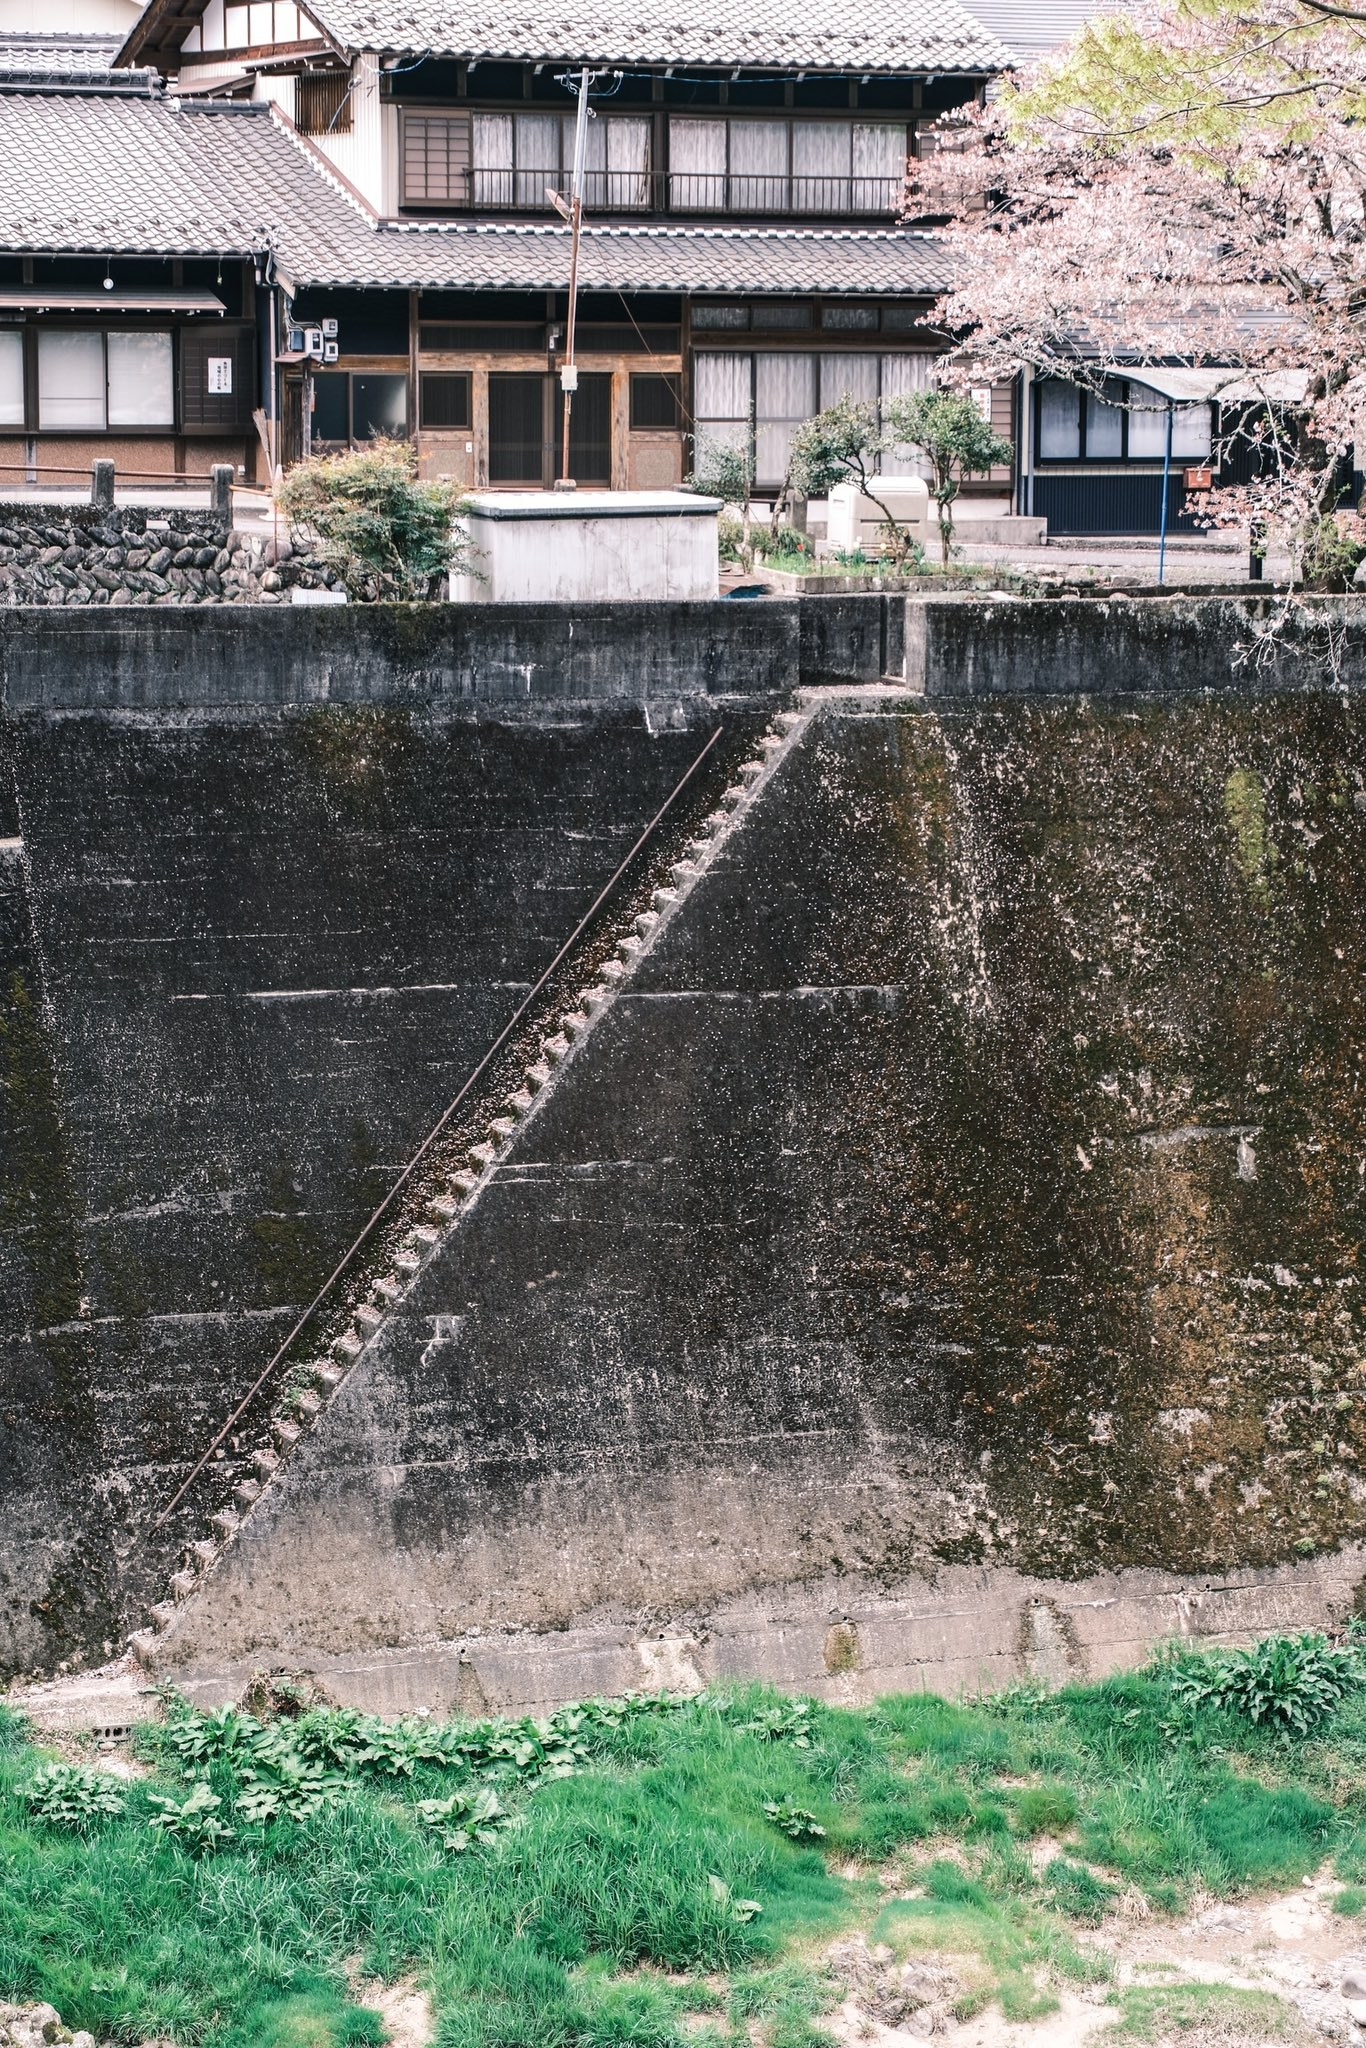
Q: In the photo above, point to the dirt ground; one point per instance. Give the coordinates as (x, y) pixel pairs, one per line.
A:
(1291, 1944)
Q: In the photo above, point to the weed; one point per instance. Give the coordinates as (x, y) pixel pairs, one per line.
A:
(1288, 1683)
(793, 1821)
(72, 1796)
(465, 1820)
(1350, 1902)
(193, 1822)
(789, 1721)
(567, 1883)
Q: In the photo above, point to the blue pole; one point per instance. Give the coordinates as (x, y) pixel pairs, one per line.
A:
(1166, 481)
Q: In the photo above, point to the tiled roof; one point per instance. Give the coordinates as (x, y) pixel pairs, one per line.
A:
(1031, 29)
(57, 57)
(858, 35)
(121, 171)
(126, 171)
(658, 259)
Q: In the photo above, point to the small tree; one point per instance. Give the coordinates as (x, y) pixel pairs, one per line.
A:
(841, 445)
(725, 470)
(956, 440)
(386, 531)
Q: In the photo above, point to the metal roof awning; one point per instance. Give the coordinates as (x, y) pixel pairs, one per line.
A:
(1232, 386)
(58, 298)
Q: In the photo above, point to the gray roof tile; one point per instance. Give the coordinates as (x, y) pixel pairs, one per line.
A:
(1031, 29)
(57, 57)
(122, 171)
(859, 35)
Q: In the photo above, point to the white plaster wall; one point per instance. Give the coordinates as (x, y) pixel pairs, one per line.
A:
(650, 553)
(67, 17)
(360, 154)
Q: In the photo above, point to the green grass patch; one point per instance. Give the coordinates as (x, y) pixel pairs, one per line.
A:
(616, 1877)
(1015, 1950)
(1218, 2012)
(1045, 1810)
(1350, 1902)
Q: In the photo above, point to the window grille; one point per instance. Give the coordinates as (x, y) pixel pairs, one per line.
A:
(324, 103)
(655, 403)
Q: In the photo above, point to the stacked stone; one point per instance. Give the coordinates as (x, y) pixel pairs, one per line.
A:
(84, 555)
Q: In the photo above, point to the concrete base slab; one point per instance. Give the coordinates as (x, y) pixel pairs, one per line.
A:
(968, 1630)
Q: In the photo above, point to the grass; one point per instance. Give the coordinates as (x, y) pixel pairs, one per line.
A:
(632, 1892)
(1217, 2012)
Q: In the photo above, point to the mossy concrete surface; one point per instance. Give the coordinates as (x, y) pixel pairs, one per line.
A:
(970, 1180)
(245, 962)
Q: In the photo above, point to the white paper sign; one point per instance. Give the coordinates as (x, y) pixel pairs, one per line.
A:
(220, 373)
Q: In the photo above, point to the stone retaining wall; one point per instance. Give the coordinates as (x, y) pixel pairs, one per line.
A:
(127, 555)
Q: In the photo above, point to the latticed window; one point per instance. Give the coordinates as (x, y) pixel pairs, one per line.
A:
(436, 159)
(324, 103)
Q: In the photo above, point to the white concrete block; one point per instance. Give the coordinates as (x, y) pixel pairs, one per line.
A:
(532, 547)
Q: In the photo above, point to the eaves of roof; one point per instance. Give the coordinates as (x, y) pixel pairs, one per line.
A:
(888, 37)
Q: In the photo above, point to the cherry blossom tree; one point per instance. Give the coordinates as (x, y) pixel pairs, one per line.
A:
(1189, 186)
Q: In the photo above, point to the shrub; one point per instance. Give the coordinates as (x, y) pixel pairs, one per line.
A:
(955, 438)
(1291, 1684)
(388, 533)
(72, 1796)
(193, 1822)
(725, 470)
(781, 543)
(1332, 550)
(842, 445)
(730, 539)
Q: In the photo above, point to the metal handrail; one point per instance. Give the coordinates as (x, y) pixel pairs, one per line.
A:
(791, 195)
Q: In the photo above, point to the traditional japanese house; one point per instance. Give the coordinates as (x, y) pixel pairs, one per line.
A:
(742, 264)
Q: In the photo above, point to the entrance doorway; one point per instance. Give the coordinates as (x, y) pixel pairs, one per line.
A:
(525, 427)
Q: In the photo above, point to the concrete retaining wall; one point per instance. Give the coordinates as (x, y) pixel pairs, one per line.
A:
(1146, 646)
(960, 1195)
(929, 1206)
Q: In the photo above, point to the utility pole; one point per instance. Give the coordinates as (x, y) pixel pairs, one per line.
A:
(569, 369)
(1166, 488)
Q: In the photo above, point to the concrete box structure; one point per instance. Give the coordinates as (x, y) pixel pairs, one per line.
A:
(581, 546)
(856, 521)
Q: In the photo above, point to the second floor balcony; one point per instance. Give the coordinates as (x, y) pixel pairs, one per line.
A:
(457, 162)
